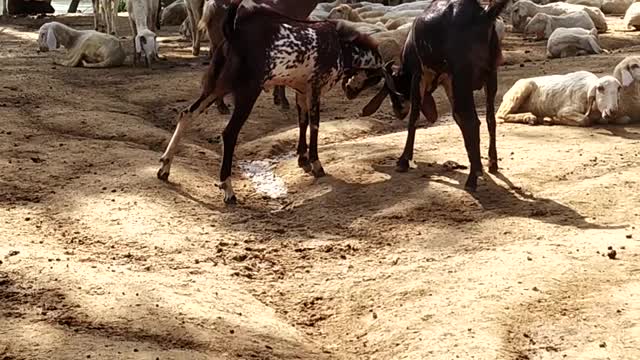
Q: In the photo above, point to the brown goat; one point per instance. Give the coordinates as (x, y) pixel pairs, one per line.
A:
(453, 43)
(263, 49)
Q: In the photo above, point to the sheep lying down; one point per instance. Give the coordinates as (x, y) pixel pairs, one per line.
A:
(628, 73)
(88, 48)
(543, 25)
(567, 42)
(575, 99)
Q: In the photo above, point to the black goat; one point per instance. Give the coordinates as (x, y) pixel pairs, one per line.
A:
(263, 49)
(454, 44)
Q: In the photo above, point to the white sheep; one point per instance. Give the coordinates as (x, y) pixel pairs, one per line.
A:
(628, 73)
(89, 48)
(543, 25)
(522, 10)
(566, 42)
(632, 16)
(142, 18)
(615, 6)
(575, 99)
(593, 3)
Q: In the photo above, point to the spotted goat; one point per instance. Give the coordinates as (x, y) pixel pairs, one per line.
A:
(263, 49)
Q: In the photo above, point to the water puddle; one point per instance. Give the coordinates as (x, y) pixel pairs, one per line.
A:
(261, 174)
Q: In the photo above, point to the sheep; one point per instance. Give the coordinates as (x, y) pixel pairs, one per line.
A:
(627, 72)
(524, 9)
(88, 48)
(575, 99)
(109, 15)
(593, 3)
(174, 14)
(543, 25)
(615, 6)
(142, 18)
(264, 49)
(454, 44)
(566, 42)
(632, 16)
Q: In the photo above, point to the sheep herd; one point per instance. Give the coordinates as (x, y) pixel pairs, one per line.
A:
(571, 29)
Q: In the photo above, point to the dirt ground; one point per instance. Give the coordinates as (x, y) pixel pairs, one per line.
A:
(101, 260)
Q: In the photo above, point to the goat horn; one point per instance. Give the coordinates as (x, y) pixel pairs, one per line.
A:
(388, 79)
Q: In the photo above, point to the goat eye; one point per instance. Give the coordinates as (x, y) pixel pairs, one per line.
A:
(634, 66)
(600, 88)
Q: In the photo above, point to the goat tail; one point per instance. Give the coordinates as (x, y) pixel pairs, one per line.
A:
(495, 8)
(229, 24)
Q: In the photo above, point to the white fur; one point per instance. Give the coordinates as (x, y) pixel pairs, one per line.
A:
(109, 15)
(576, 99)
(565, 42)
(628, 73)
(592, 3)
(142, 18)
(88, 48)
(195, 9)
(543, 25)
(524, 9)
(632, 16)
(615, 6)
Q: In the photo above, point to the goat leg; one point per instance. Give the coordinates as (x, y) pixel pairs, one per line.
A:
(303, 123)
(223, 109)
(406, 159)
(280, 97)
(314, 119)
(185, 119)
(245, 100)
(464, 112)
(491, 88)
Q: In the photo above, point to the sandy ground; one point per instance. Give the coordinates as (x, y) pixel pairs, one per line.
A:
(99, 259)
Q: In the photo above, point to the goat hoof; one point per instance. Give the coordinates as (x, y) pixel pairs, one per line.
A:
(318, 173)
(493, 167)
(471, 185)
(223, 110)
(402, 165)
(304, 163)
(163, 175)
(231, 200)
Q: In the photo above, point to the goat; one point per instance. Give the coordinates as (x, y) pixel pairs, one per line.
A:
(628, 73)
(96, 14)
(262, 49)
(575, 99)
(194, 13)
(142, 18)
(541, 26)
(453, 43)
(566, 42)
(88, 48)
(109, 15)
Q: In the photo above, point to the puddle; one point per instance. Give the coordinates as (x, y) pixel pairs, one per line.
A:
(261, 174)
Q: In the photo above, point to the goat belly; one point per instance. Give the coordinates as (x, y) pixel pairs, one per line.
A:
(292, 58)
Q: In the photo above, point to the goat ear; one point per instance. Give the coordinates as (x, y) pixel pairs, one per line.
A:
(52, 43)
(374, 104)
(626, 77)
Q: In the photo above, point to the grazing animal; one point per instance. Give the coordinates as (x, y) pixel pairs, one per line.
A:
(522, 10)
(265, 49)
(194, 13)
(143, 20)
(632, 16)
(109, 15)
(453, 43)
(628, 73)
(574, 99)
(88, 48)
(543, 25)
(566, 42)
